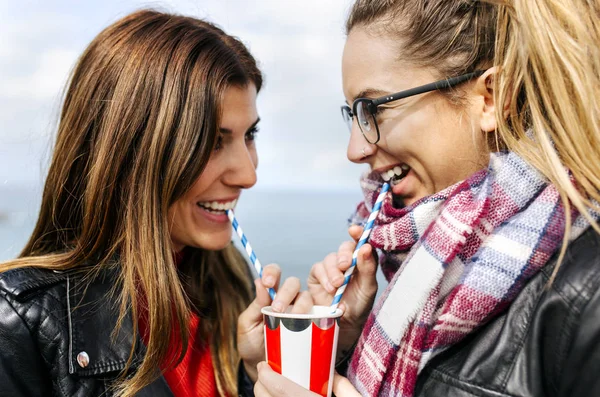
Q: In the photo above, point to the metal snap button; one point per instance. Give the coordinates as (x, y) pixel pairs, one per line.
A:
(83, 359)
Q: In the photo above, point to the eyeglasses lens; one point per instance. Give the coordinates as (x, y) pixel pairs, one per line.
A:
(366, 122)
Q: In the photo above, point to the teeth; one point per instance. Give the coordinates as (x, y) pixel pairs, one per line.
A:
(216, 206)
(395, 172)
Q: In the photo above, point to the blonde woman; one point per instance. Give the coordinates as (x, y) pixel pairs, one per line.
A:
(490, 238)
(129, 284)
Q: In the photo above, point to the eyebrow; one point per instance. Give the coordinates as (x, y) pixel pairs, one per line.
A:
(228, 131)
(371, 93)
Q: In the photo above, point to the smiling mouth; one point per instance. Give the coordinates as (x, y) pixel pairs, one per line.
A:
(396, 174)
(216, 207)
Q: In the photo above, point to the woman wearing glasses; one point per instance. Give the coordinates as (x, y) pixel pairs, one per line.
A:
(489, 240)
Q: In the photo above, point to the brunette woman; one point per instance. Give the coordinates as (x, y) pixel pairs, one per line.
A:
(129, 284)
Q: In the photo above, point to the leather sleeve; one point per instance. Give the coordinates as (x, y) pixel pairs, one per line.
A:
(581, 368)
(342, 364)
(22, 370)
(245, 384)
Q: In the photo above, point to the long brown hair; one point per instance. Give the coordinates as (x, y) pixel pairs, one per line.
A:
(138, 125)
(548, 59)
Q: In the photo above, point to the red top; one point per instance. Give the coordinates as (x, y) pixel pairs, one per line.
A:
(194, 376)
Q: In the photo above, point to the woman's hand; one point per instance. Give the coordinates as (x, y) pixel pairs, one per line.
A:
(327, 276)
(250, 330)
(271, 384)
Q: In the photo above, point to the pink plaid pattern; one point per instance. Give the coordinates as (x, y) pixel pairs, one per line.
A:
(453, 261)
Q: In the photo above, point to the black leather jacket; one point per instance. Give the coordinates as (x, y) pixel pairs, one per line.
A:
(546, 344)
(49, 326)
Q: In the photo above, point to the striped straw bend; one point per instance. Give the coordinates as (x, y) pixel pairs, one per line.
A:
(363, 239)
(248, 248)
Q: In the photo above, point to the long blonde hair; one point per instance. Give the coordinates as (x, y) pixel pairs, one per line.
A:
(548, 52)
(548, 55)
(138, 125)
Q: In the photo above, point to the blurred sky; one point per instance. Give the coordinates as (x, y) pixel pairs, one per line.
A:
(298, 43)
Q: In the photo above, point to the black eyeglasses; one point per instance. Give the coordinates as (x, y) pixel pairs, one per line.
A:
(366, 109)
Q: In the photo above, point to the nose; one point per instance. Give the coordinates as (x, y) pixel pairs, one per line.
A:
(359, 149)
(243, 163)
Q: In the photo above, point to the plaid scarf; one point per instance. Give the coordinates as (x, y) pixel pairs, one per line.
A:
(453, 260)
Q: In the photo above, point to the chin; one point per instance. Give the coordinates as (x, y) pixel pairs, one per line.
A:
(213, 241)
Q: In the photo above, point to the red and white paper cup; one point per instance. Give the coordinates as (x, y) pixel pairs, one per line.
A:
(302, 347)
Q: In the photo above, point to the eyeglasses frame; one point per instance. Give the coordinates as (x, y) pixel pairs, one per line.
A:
(372, 104)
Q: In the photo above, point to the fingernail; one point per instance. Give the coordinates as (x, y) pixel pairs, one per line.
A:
(337, 281)
(277, 306)
(328, 287)
(341, 260)
(260, 365)
(269, 281)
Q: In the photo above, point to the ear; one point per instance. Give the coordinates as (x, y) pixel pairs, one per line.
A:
(484, 87)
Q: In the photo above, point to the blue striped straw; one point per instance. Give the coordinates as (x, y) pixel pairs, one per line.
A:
(248, 248)
(363, 239)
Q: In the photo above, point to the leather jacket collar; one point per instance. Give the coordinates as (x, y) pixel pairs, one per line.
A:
(91, 318)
